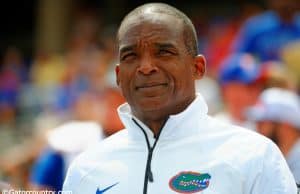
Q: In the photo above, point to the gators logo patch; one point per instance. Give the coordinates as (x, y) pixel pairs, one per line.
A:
(189, 182)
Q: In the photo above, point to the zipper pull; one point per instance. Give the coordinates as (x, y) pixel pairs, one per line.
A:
(149, 171)
(150, 176)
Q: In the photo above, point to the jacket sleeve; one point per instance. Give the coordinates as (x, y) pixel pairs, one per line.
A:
(275, 177)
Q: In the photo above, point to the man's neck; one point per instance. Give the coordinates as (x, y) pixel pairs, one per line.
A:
(156, 119)
(156, 126)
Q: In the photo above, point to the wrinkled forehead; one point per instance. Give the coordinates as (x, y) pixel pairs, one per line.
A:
(146, 25)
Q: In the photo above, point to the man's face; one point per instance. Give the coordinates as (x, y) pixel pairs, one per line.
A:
(156, 73)
(238, 96)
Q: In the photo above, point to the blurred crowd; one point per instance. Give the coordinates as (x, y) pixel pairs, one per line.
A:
(75, 88)
(57, 104)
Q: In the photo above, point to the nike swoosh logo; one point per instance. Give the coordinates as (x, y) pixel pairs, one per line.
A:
(107, 188)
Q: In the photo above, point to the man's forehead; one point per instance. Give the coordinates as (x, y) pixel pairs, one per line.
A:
(149, 20)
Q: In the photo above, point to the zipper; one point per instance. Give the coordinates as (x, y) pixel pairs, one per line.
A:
(148, 171)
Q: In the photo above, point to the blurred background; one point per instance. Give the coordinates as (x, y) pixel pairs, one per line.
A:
(57, 83)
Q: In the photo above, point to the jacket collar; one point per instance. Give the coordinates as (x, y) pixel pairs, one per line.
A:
(177, 126)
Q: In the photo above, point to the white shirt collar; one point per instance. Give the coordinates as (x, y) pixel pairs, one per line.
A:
(179, 125)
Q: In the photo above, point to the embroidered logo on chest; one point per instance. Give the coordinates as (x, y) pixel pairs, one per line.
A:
(189, 182)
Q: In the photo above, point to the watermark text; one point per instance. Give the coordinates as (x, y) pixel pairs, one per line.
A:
(13, 191)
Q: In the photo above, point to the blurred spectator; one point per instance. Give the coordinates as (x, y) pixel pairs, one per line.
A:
(87, 126)
(76, 77)
(277, 115)
(12, 73)
(46, 73)
(83, 58)
(107, 40)
(64, 143)
(222, 32)
(240, 86)
(47, 69)
(80, 129)
(111, 99)
(209, 88)
(276, 74)
(102, 109)
(266, 34)
(291, 57)
(83, 84)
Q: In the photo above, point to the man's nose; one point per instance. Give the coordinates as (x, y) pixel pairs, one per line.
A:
(147, 66)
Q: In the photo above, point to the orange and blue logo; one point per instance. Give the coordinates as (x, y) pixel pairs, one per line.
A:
(189, 182)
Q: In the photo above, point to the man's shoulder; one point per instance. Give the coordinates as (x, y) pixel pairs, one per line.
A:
(242, 148)
(90, 159)
(109, 145)
(237, 136)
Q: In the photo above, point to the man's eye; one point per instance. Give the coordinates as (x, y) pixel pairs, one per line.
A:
(128, 56)
(164, 52)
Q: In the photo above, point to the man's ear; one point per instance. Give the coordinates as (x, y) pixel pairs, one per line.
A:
(199, 66)
(117, 71)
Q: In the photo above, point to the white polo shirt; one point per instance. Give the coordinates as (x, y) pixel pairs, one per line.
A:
(193, 154)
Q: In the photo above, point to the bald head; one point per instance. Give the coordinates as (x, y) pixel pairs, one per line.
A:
(188, 31)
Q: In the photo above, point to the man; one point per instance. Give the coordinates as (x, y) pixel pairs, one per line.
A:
(266, 34)
(241, 84)
(170, 144)
(277, 115)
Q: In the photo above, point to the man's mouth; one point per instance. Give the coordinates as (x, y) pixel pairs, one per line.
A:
(150, 85)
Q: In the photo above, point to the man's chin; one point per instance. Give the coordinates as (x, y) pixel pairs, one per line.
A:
(151, 104)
